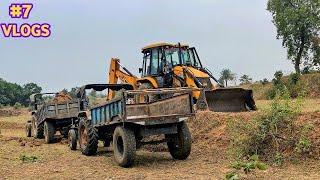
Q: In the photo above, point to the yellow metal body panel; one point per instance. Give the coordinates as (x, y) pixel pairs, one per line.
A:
(115, 74)
(178, 70)
(151, 80)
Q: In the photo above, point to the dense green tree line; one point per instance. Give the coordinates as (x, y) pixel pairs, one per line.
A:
(12, 93)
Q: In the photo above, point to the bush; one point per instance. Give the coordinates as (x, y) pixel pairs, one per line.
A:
(303, 146)
(293, 85)
(28, 159)
(247, 166)
(278, 85)
(17, 106)
(270, 134)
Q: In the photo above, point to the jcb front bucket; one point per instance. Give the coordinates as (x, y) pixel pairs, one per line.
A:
(230, 100)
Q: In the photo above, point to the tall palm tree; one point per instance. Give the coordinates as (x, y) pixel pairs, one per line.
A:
(226, 75)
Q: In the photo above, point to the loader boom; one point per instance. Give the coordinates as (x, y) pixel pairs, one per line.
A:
(115, 73)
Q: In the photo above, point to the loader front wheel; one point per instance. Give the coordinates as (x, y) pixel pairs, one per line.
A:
(49, 132)
(72, 139)
(88, 138)
(180, 144)
(124, 146)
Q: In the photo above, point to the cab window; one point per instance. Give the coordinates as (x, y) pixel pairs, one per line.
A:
(154, 62)
(146, 63)
(172, 55)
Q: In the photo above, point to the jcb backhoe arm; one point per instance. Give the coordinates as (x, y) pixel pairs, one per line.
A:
(115, 73)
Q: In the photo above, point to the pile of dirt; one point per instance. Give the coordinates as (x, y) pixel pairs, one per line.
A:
(10, 112)
(62, 97)
(23, 141)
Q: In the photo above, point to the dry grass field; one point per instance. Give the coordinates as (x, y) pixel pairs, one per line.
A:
(26, 158)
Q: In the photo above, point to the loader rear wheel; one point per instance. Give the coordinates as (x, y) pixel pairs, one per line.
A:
(28, 129)
(180, 144)
(88, 138)
(37, 129)
(72, 139)
(49, 132)
(124, 146)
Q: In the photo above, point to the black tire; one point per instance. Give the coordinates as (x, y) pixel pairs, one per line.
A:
(28, 129)
(49, 132)
(88, 138)
(37, 129)
(124, 146)
(147, 98)
(72, 139)
(180, 144)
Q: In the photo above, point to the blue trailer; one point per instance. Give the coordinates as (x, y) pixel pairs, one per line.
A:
(126, 122)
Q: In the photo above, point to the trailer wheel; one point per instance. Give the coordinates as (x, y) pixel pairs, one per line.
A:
(49, 132)
(124, 146)
(28, 129)
(72, 139)
(88, 138)
(180, 144)
(37, 130)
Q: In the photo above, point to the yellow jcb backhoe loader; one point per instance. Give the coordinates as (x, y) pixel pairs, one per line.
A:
(168, 65)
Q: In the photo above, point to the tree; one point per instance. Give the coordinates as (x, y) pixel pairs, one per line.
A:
(12, 93)
(245, 79)
(225, 76)
(93, 93)
(298, 25)
(29, 89)
(277, 77)
(73, 92)
(264, 81)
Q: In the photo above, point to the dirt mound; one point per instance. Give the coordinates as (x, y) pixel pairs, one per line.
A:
(209, 129)
(10, 112)
(62, 97)
(23, 141)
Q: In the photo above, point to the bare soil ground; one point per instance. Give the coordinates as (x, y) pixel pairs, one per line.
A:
(208, 159)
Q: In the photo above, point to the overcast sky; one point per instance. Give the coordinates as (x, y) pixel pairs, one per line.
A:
(234, 34)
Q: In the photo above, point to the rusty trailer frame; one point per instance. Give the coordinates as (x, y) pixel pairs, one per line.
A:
(178, 106)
